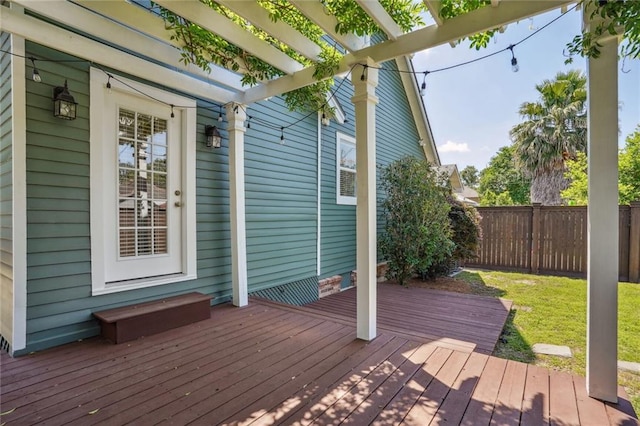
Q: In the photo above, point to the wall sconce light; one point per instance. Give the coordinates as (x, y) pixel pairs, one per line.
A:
(64, 106)
(213, 136)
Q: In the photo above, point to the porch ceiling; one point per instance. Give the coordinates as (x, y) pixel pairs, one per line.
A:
(128, 26)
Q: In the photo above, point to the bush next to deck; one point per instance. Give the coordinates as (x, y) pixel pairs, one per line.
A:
(465, 234)
(416, 214)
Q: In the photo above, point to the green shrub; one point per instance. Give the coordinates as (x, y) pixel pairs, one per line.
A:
(466, 234)
(415, 211)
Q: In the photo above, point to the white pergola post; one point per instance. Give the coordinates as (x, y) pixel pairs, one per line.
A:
(236, 116)
(602, 273)
(365, 80)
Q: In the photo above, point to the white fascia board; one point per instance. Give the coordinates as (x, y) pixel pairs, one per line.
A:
(314, 10)
(19, 186)
(453, 29)
(259, 17)
(65, 41)
(418, 110)
(211, 20)
(381, 17)
(120, 35)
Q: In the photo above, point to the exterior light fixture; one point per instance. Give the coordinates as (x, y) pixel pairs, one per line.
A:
(64, 106)
(214, 139)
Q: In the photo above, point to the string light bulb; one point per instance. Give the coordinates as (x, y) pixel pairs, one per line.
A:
(281, 135)
(109, 83)
(423, 87)
(249, 122)
(514, 62)
(35, 76)
(172, 114)
(364, 69)
(220, 113)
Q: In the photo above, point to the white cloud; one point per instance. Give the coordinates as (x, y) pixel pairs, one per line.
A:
(451, 146)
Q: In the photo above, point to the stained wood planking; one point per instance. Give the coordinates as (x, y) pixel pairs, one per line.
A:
(430, 314)
(266, 365)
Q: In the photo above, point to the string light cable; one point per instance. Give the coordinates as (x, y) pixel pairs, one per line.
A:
(219, 107)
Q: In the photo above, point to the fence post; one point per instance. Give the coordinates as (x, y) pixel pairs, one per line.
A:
(535, 238)
(634, 242)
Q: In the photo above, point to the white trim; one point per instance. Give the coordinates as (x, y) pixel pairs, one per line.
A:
(92, 23)
(236, 116)
(364, 101)
(602, 221)
(319, 199)
(98, 94)
(456, 28)
(259, 17)
(418, 111)
(19, 188)
(213, 21)
(48, 35)
(342, 199)
(378, 13)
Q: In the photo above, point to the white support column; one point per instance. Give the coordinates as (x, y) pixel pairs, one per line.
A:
(602, 273)
(365, 80)
(236, 116)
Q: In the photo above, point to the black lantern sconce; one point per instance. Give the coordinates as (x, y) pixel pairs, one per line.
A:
(214, 139)
(64, 106)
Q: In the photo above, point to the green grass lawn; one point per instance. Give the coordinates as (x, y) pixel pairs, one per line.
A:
(553, 310)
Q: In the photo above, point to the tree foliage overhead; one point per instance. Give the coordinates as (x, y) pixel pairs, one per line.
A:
(628, 174)
(203, 48)
(613, 15)
(553, 131)
(502, 183)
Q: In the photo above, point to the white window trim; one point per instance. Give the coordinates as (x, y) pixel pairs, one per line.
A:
(187, 109)
(340, 199)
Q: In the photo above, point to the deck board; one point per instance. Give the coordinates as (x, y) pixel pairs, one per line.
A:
(426, 314)
(267, 364)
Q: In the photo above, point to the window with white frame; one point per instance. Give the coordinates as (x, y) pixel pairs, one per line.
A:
(346, 169)
(142, 186)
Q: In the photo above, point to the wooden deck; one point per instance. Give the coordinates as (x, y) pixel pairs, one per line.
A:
(427, 315)
(265, 365)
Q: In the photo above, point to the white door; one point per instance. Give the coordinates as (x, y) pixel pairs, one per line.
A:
(145, 188)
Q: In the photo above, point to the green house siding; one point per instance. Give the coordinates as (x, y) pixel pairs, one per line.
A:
(281, 209)
(396, 137)
(6, 196)
(281, 197)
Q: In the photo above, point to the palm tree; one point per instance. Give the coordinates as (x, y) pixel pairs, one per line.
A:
(554, 130)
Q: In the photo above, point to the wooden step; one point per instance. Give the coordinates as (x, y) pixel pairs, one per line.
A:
(144, 319)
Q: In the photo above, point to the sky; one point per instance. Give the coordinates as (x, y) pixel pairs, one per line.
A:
(472, 108)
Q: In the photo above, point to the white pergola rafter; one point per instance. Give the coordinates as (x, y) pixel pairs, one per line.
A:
(479, 20)
(212, 21)
(381, 17)
(259, 17)
(122, 35)
(314, 11)
(135, 19)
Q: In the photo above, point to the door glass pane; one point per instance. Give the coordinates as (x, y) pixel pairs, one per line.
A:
(142, 184)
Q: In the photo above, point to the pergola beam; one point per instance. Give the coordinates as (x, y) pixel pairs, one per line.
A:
(474, 22)
(259, 17)
(120, 35)
(314, 10)
(48, 35)
(381, 17)
(214, 22)
(142, 21)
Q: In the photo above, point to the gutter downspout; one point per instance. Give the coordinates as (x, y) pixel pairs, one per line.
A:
(319, 199)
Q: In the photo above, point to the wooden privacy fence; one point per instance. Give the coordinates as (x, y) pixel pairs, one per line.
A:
(551, 240)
